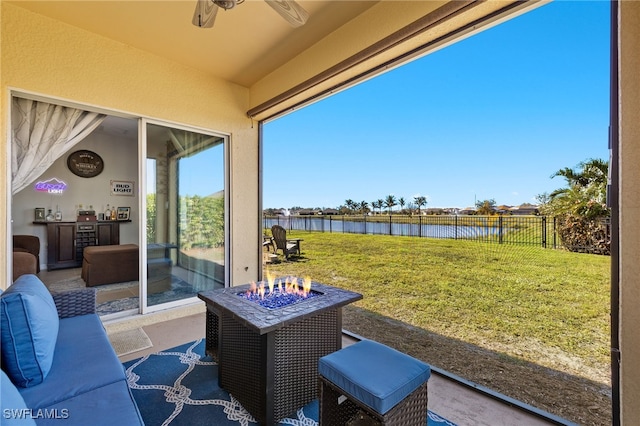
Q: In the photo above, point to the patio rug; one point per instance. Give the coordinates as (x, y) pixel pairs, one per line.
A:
(179, 386)
(128, 341)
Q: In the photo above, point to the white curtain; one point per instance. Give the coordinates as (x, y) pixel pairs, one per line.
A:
(42, 133)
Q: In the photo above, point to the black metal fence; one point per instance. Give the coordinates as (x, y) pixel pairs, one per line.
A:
(529, 230)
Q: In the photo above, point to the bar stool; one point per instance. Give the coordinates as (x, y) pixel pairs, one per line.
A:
(370, 383)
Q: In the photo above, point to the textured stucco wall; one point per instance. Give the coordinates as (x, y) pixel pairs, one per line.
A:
(46, 57)
(630, 209)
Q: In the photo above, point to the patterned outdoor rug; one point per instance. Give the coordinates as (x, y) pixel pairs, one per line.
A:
(179, 386)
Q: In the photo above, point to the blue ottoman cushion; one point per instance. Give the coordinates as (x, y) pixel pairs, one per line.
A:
(377, 375)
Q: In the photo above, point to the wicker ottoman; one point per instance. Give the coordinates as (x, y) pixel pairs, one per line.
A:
(370, 383)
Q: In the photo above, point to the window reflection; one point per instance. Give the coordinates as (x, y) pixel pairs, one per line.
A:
(185, 213)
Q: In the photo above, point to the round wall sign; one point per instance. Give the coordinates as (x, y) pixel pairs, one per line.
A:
(85, 163)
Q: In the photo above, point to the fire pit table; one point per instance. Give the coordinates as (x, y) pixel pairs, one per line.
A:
(268, 355)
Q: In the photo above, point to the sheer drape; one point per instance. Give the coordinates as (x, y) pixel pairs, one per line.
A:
(42, 133)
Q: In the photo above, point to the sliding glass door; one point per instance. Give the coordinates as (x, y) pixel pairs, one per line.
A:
(186, 213)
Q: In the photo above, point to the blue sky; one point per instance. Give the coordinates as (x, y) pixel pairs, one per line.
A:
(490, 117)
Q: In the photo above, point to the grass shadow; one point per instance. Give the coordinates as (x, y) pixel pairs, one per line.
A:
(571, 397)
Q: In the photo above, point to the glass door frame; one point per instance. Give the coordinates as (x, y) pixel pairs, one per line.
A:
(142, 179)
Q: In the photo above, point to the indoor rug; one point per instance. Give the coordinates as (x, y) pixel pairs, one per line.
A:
(129, 341)
(179, 386)
(77, 282)
(179, 290)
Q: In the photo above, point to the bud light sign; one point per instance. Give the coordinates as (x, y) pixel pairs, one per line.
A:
(51, 186)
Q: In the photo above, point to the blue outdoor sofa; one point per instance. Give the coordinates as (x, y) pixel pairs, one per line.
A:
(58, 367)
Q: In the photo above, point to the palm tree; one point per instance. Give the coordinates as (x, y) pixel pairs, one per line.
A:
(380, 205)
(592, 171)
(390, 202)
(586, 192)
(374, 205)
(402, 203)
(363, 207)
(351, 205)
(420, 201)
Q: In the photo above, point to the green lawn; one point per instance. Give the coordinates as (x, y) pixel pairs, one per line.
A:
(517, 300)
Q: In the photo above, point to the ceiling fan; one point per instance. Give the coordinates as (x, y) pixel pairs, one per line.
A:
(206, 10)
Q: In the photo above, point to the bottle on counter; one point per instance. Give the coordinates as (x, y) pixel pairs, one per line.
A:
(50, 216)
(107, 213)
(58, 215)
(113, 214)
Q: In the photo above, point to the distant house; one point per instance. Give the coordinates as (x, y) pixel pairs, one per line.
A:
(330, 212)
(525, 209)
(467, 211)
(434, 211)
(503, 209)
(308, 212)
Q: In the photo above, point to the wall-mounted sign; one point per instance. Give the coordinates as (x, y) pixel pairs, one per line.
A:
(51, 186)
(85, 163)
(122, 187)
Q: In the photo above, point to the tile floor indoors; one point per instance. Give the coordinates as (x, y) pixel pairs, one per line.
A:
(456, 402)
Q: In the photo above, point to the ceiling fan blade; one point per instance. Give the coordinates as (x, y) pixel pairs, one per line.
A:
(291, 11)
(205, 14)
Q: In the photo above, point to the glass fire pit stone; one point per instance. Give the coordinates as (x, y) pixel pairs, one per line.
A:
(280, 295)
(264, 320)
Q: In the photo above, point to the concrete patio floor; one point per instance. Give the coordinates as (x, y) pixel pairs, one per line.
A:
(463, 404)
(458, 403)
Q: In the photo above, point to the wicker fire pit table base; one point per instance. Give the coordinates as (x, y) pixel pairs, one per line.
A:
(268, 358)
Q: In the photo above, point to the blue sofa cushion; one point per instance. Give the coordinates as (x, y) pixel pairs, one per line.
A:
(377, 375)
(84, 360)
(28, 330)
(14, 410)
(113, 402)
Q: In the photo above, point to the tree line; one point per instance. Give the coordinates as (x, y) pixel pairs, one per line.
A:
(388, 203)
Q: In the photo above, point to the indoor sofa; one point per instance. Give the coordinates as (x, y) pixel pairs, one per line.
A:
(58, 366)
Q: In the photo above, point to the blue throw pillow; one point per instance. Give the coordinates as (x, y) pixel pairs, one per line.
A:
(14, 410)
(28, 330)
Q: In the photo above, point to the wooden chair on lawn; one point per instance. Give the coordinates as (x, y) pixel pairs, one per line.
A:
(288, 247)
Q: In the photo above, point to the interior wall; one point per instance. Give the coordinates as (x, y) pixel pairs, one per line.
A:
(629, 157)
(43, 56)
(120, 157)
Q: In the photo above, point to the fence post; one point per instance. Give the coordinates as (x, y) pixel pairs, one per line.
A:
(455, 228)
(331, 224)
(500, 229)
(555, 232)
(544, 232)
(365, 223)
(390, 224)
(419, 226)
